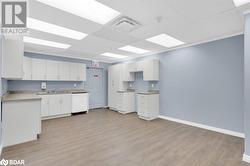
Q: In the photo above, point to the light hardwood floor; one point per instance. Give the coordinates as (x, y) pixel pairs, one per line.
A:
(107, 138)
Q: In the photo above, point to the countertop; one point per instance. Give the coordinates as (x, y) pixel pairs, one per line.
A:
(149, 93)
(34, 95)
(20, 96)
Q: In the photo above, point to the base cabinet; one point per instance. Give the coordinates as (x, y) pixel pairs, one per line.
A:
(126, 102)
(148, 106)
(55, 105)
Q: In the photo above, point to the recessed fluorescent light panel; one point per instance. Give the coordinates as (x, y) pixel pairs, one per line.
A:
(88, 9)
(54, 29)
(134, 49)
(165, 40)
(45, 42)
(108, 54)
(240, 2)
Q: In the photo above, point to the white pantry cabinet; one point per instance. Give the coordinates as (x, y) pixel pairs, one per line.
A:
(126, 102)
(148, 106)
(55, 105)
(115, 84)
(12, 58)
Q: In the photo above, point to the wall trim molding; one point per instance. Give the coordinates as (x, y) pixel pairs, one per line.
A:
(246, 158)
(219, 130)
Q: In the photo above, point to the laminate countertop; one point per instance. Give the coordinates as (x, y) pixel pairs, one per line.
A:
(20, 96)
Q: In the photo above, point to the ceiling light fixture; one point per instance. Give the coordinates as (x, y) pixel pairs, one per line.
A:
(54, 29)
(165, 40)
(45, 42)
(240, 2)
(88, 9)
(112, 55)
(134, 49)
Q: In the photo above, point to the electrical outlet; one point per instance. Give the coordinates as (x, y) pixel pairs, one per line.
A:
(43, 86)
(152, 85)
(75, 85)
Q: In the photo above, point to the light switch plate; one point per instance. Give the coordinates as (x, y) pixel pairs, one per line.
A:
(43, 86)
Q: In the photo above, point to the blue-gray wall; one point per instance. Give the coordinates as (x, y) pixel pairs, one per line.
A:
(247, 85)
(57, 85)
(203, 83)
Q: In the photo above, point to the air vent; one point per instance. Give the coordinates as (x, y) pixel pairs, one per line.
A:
(125, 24)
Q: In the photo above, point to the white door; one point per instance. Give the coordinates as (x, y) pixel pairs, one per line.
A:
(95, 85)
(38, 69)
(52, 70)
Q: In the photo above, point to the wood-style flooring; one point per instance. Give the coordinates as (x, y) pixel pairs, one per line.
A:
(107, 138)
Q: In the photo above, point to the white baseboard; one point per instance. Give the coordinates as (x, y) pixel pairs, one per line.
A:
(219, 130)
(246, 158)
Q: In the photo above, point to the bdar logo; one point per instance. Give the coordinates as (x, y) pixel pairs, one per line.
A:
(4, 162)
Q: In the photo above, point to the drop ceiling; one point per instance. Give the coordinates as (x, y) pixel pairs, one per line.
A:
(191, 21)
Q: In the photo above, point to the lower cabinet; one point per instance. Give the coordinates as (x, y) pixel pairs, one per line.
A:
(126, 102)
(148, 106)
(56, 105)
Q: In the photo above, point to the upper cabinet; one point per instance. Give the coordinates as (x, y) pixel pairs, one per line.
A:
(63, 71)
(12, 58)
(151, 70)
(50, 70)
(39, 69)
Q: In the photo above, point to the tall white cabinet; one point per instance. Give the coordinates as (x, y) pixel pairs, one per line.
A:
(12, 58)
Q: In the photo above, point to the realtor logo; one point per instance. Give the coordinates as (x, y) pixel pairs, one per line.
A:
(14, 14)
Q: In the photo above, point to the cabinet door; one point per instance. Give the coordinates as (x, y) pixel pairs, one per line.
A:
(54, 105)
(44, 106)
(64, 71)
(39, 69)
(141, 104)
(66, 104)
(74, 70)
(151, 70)
(27, 68)
(12, 58)
(51, 70)
(81, 72)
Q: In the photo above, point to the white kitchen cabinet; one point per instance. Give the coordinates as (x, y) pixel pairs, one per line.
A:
(126, 102)
(52, 70)
(12, 58)
(126, 75)
(77, 72)
(148, 106)
(65, 104)
(27, 68)
(21, 121)
(115, 84)
(73, 72)
(151, 70)
(44, 105)
(80, 102)
(56, 105)
(39, 71)
(63, 70)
